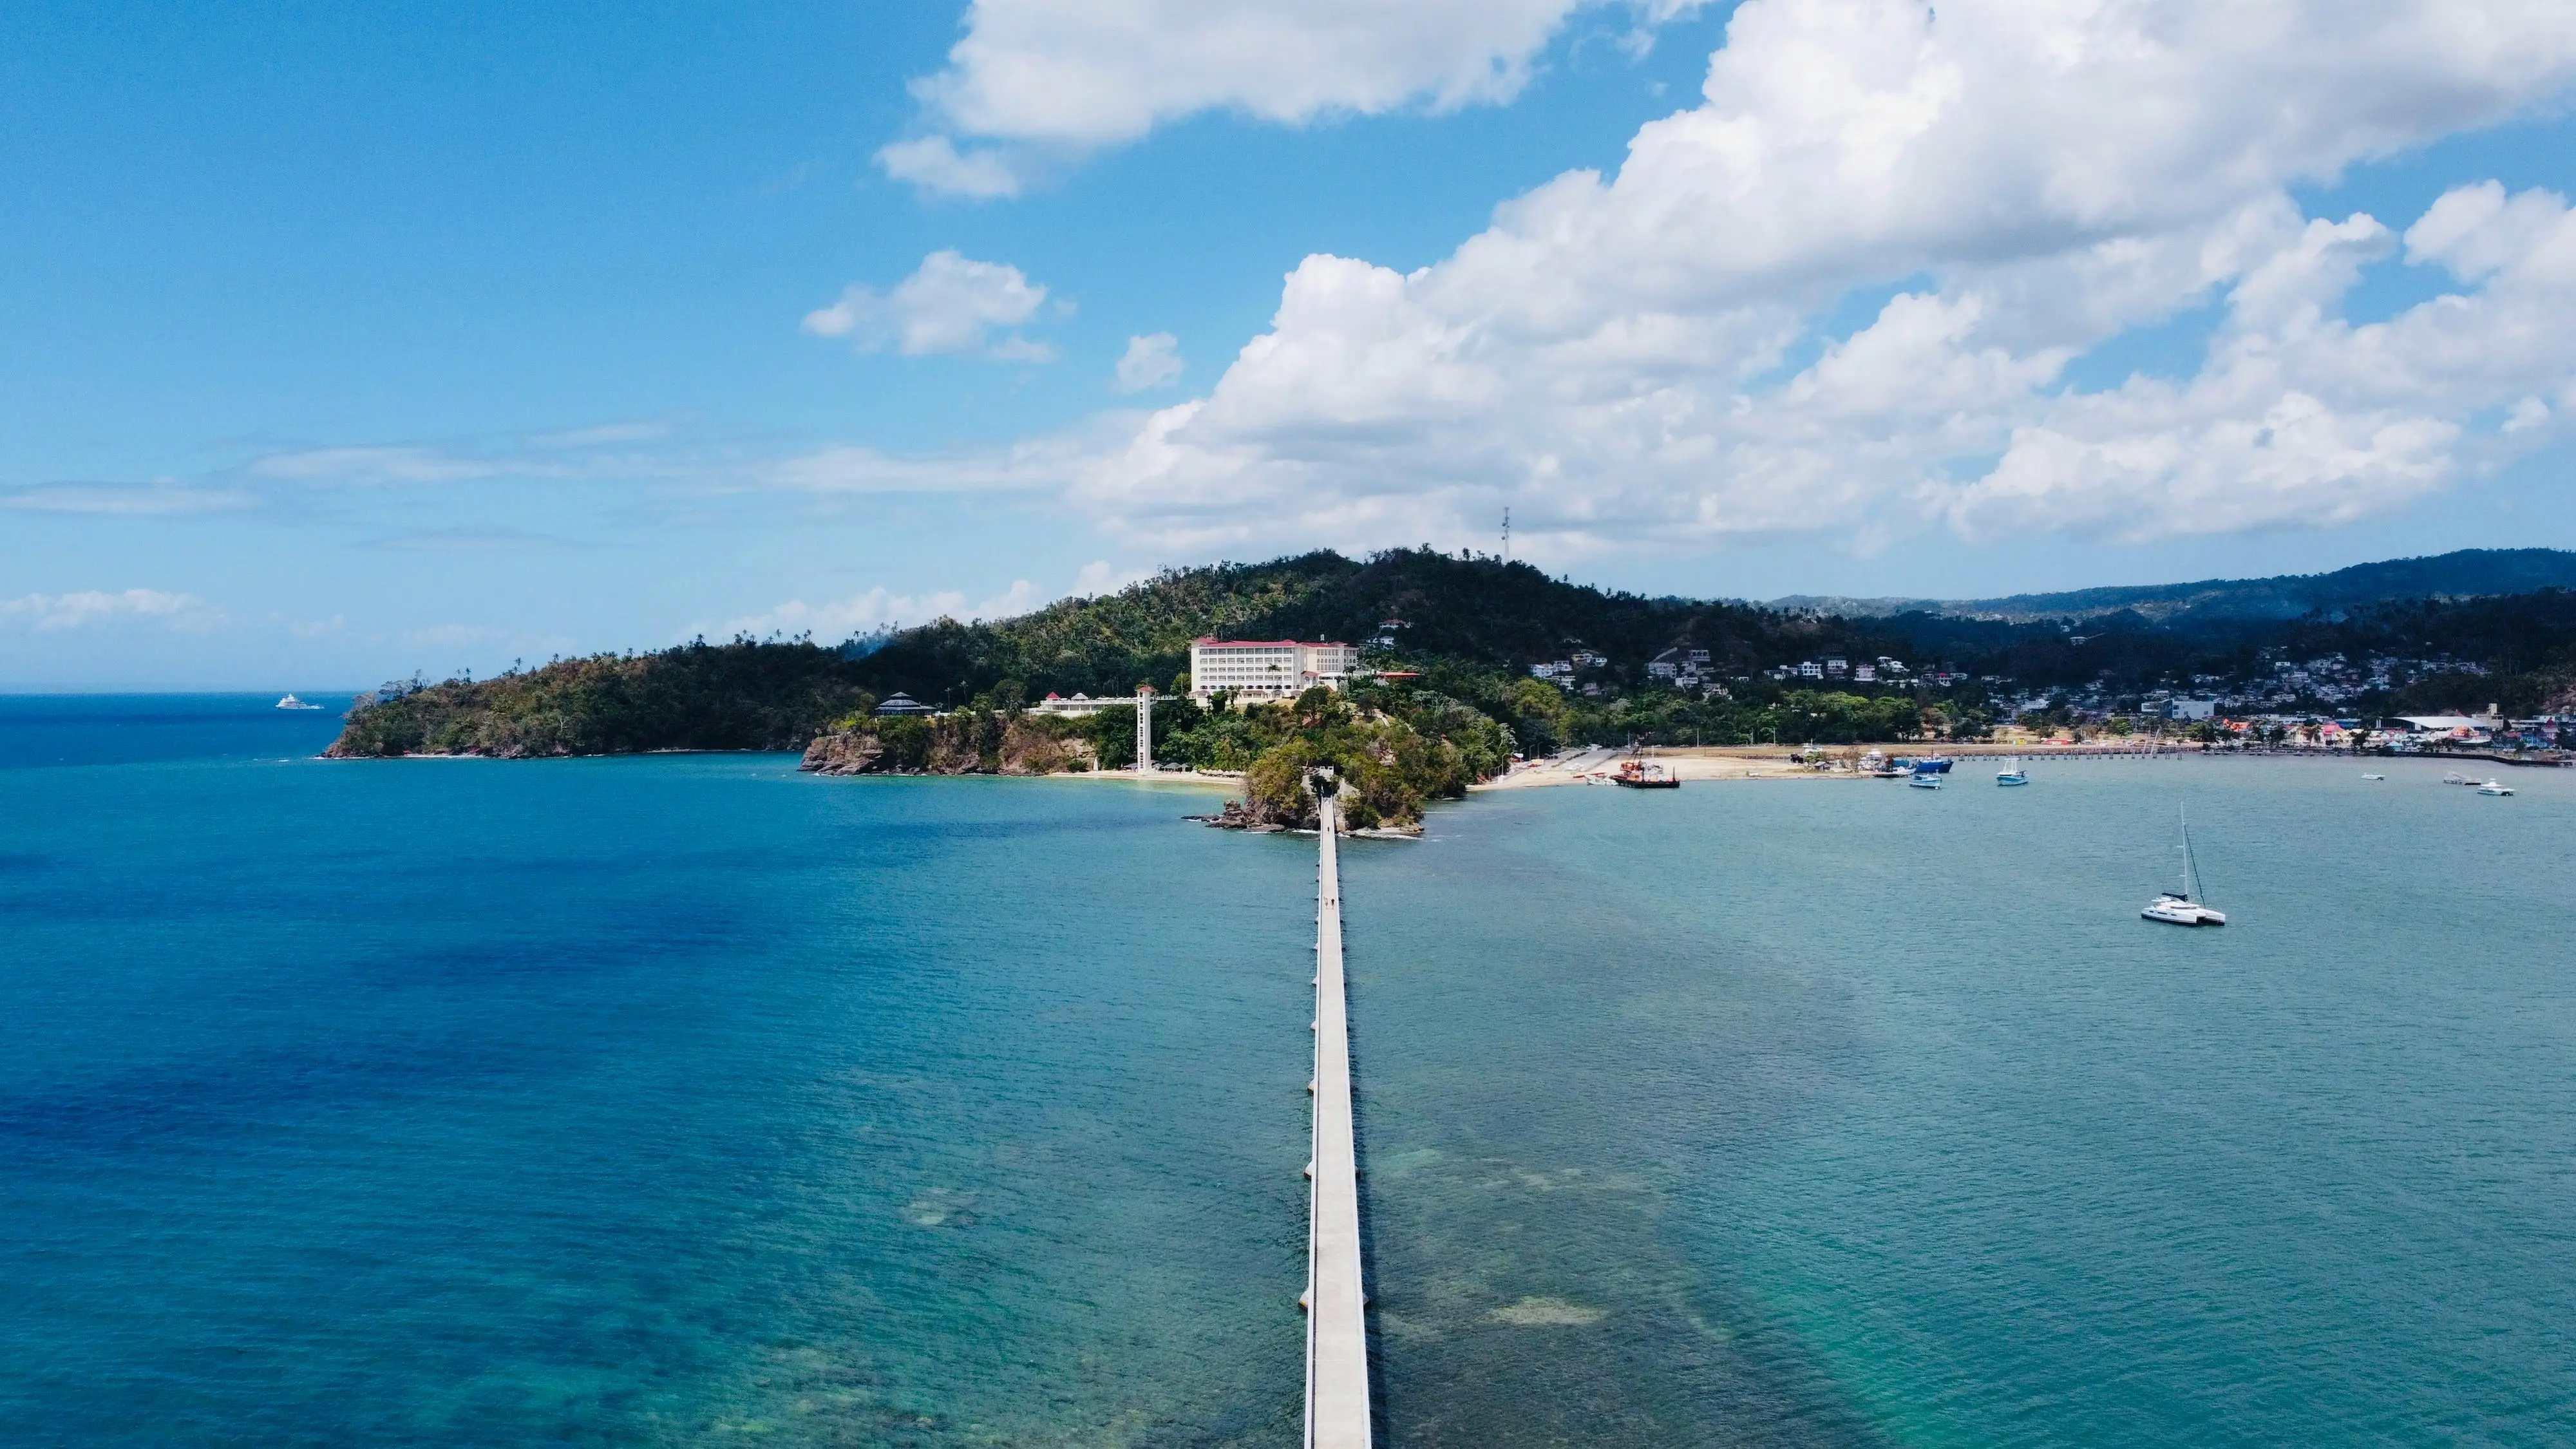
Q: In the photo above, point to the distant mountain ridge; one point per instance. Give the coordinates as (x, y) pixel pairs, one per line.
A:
(2468, 573)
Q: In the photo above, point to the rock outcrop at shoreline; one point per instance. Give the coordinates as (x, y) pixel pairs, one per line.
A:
(1238, 815)
(843, 754)
(948, 745)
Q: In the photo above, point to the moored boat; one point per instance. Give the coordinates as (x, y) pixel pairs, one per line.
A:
(2177, 908)
(1644, 775)
(2179, 911)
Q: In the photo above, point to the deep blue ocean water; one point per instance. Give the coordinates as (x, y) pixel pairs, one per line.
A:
(687, 1100)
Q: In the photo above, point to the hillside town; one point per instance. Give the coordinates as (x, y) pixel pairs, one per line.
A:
(2318, 703)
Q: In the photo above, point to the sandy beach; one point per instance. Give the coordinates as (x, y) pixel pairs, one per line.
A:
(1593, 767)
(1778, 762)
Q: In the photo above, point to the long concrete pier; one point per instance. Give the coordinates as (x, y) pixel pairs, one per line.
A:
(1337, 1387)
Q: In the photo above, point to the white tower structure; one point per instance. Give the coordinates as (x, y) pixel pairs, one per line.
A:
(1144, 729)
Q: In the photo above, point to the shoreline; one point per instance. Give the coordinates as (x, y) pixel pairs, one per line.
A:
(1695, 763)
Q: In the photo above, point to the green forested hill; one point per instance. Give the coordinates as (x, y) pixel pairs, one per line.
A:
(1466, 630)
(1480, 613)
(1103, 645)
(701, 696)
(1469, 626)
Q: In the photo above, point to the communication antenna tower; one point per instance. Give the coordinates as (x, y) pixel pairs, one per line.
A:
(1507, 535)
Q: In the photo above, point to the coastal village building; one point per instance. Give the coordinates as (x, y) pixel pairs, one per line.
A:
(1268, 668)
(903, 704)
(1080, 705)
(1685, 667)
(2453, 728)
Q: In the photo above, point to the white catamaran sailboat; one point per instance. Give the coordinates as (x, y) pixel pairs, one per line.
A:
(2181, 909)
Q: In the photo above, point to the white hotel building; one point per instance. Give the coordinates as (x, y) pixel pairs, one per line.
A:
(1268, 668)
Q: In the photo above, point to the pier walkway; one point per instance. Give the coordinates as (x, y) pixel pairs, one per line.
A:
(1337, 1387)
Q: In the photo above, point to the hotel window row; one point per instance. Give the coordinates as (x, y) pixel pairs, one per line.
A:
(1268, 668)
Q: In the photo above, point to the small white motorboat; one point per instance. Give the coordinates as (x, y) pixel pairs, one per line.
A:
(2369, 776)
(1921, 781)
(2177, 908)
(2456, 778)
(2495, 787)
(291, 702)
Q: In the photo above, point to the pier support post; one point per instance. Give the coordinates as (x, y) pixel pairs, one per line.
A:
(1144, 729)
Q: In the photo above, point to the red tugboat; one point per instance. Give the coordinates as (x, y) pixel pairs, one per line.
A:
(1644, 775)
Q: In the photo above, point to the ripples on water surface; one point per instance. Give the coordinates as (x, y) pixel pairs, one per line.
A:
(688, 1101)
(1839, 1113)
(667, 1101)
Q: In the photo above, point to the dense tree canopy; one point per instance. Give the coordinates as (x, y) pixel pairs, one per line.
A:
(1455, 638)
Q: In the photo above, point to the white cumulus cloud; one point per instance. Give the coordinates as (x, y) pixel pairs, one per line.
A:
(949, 305)
(879, 608)
(91, 607)
(1050, 79)
(934, 163)
(1150, 362)
(1642, 355)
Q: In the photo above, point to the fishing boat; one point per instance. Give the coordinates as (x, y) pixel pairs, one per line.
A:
(291, 702)
(1924, 780)
(2178, 908)
(1933, 766)
(1644, 775)
(2456, 778)
(2012, 774)
(2495, 787)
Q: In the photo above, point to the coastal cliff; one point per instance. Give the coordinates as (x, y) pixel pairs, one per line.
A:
(958, 744)
(1392, 758)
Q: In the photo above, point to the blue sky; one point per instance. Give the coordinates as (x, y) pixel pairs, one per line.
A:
(339, 342)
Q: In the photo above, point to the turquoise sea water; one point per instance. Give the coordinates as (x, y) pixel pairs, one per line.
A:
(686, 1100)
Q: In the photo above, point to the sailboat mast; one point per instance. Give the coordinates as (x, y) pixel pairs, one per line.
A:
(2185, 848)
(2184, 814)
